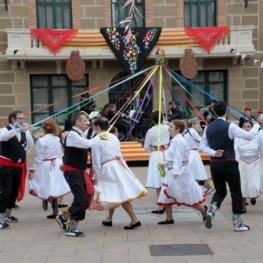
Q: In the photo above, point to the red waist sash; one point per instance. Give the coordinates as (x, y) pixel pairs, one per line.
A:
(88, 181)
(22, 186)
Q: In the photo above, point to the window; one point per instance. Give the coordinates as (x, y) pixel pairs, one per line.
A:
(54, 14)
(200, 13)
(118, 13)
(213, 82)
(47, 89)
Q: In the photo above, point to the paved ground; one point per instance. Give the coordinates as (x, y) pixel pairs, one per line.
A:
(36, 239)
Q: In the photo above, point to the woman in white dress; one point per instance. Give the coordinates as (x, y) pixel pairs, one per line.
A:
(179, 186)
(249, 164)
(193, 138)
(46, 180)
(114, 183)
(154, 177)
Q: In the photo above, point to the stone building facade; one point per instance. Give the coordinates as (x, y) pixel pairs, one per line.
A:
(242, 82)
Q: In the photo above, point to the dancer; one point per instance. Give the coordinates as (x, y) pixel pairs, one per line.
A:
(14, 145)
(218, 142)
(154, 179)
(249, 165)
(196, 165)
(179, 186)
(74, 167)
(114, 182)
(46, 181)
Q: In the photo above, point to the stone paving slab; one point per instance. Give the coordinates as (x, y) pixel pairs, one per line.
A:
(36, 239)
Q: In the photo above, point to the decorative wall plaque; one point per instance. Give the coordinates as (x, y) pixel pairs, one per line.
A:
(188, 64)
(75, 66)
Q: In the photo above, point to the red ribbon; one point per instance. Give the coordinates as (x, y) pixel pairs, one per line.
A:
(22, 186)
(207, 37)
(54, 39)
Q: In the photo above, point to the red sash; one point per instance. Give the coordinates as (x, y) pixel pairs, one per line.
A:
(88, 181)
(22, 186)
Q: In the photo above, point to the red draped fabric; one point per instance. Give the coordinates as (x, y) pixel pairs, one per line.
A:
(54, 39)
(207, 37)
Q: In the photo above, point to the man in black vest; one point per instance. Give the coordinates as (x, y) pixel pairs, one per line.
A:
(14, 145)
(74, 167)
(218, 142)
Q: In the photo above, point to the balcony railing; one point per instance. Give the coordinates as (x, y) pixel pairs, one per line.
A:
(23, 47)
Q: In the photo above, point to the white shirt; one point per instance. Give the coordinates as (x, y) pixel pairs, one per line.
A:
(104, 151)
(47, 147)
(75, 140)
(6, 135)
(233, 132)
(194, 140)
(151, 138)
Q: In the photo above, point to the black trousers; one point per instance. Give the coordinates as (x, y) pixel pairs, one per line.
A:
(227, 172)
(77, 186)
(10, 179)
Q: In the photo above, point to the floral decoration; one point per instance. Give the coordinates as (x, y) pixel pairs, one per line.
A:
(114, 37)
(150, 34)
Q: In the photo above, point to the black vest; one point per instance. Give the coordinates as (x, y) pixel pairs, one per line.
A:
(217, 137)
(75, 157)
(13, 149)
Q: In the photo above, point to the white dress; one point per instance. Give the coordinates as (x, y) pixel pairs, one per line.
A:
(48, 180)
(183, 190)
(250, 166)
(154, 179)
(195, 161)
(115, 183)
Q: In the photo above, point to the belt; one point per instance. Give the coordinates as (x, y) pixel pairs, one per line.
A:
(52, 163)
(195, 149)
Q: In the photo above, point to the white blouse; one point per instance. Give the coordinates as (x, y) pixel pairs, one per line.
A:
(178, 153)
(104, 151)
(47, 147)
(151, 138)
(194, 140)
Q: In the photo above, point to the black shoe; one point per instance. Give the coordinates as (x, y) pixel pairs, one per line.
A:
(4, 225)
(204, 214)
(74, 233)
(51, 216)
(166, 222)
(109, 223)
(62, 224)
(133, 226)
(158, 211)
(244, 210)
(62, 205)
(11, 219)
(253, 201)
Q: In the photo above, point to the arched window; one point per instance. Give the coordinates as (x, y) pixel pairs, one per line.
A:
(56, 14)
(200, 13)
(118, 13)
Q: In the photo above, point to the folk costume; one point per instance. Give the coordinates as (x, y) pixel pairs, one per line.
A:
(114, 183)
(195, 162)
(250, 167)
(219, 135)
(48, 180)
(74, 168)
(154, 179)
(13, 149)
(183, 190)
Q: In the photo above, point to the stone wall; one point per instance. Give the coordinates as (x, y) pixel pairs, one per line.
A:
(244, 78)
